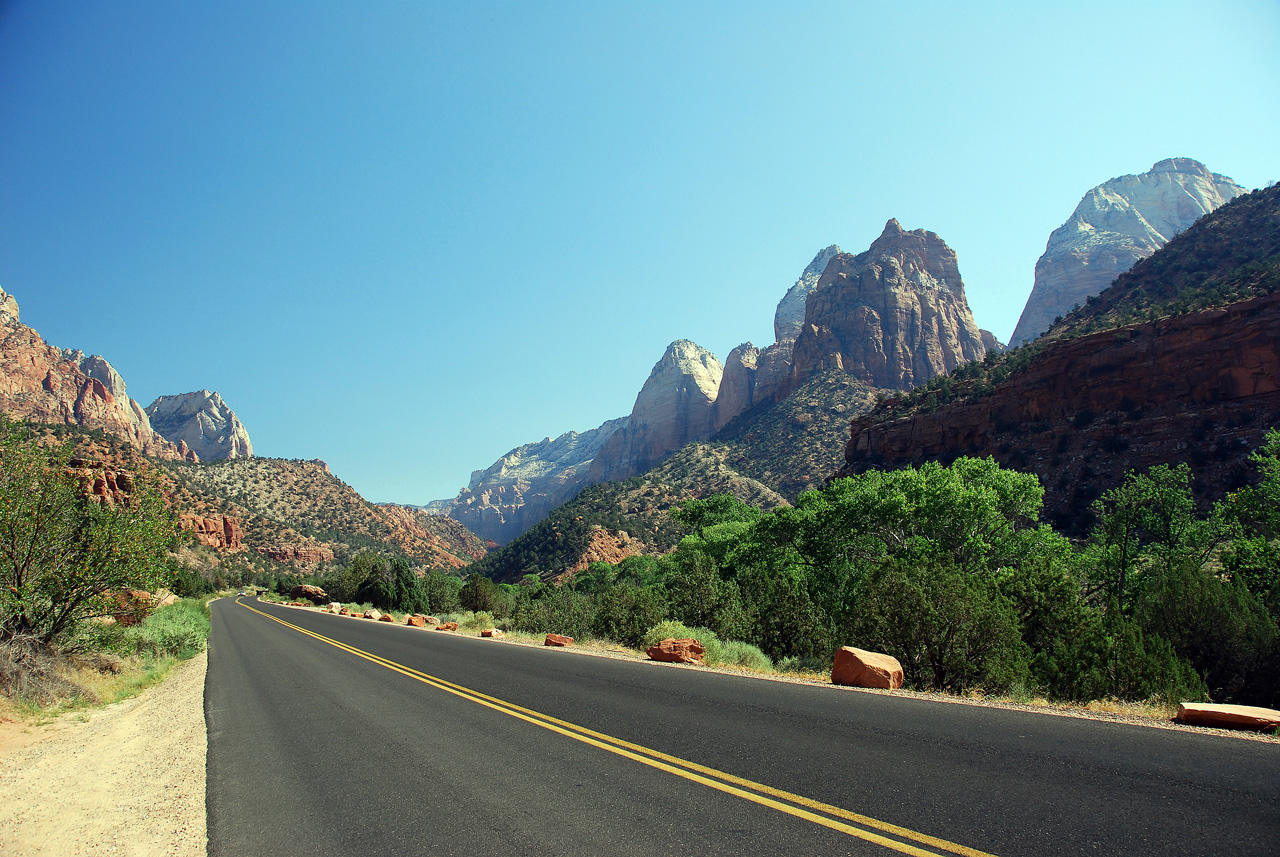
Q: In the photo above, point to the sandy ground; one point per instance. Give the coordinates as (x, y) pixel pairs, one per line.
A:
(126, 779)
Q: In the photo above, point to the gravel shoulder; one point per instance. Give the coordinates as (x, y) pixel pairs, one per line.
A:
(127, 779)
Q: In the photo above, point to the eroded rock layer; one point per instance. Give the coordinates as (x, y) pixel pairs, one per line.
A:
(1200, 388)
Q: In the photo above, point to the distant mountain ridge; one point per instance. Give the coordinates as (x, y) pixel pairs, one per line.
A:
(1117, 223)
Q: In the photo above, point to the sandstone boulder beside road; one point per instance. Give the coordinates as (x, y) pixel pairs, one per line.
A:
(860, 668)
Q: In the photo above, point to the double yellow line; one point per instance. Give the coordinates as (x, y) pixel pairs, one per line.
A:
(863, 827)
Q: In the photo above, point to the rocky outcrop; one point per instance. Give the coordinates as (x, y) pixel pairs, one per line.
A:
(314, 594)
(8, 308)
(788, 318)
(989, 342)
(673, 651)
(1116, 224)
(1200, 388)
(203, 422)
(892, 317)
(307, 554)
(100, 482)
(854, 667)
(605, 546)
(675, 406)
(44, 384)
(521, 488)
(738, 384)
(216, 531)
(752, 375)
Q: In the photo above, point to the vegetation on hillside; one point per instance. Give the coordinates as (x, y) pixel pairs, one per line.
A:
(641, 507)
(291, 502)
(795, 444)
(948, 569)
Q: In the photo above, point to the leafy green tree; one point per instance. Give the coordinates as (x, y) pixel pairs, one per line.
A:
(950, 629)
(63, 554)
(1150, 522)
(624, 613)
(480, 593)
(441, 591)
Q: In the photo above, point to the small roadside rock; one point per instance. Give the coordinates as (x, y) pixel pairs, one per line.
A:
(128, 781)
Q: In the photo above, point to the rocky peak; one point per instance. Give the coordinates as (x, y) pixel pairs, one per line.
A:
(675, 406)
(893, 317)
(203, 422)
(789, 317)
(8, 308)
(1117, 223)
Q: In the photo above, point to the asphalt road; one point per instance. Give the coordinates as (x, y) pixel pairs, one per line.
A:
(375, 739)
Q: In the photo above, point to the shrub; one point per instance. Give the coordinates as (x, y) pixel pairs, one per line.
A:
(738, 654)
(623, 613)
(178, 630)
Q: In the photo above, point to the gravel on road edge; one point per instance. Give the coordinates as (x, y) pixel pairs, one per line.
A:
(125, 779)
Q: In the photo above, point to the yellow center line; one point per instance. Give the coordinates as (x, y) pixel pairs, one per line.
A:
(692, 771)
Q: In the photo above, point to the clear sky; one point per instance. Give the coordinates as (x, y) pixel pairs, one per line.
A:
(407, 237)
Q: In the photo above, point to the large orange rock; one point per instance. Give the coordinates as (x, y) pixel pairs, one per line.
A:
(386, 617)
(1228, 716)
(345, 611)
(447, 626)
(416, 621)
(314, 594)
(491, 632)
(673, 651)
(860, 668)
(557, 640)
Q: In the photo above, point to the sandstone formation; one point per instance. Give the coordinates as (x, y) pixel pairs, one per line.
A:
(738, 384)
(203, 422)
(1116, 224)
(1200, 388)
(859, 668)
(314, 594)
(307, 554)
(215, 531)
(788, 319)
(523, 486)
(673, 651)
(605, 546)
(1228, 716)
(676, 405)
(892, 317)
(44, 384)
(753, 376)
(557, 640)
(8, 308)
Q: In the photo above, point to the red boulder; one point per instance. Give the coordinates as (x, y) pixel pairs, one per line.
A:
(673, 651)
(860, 668)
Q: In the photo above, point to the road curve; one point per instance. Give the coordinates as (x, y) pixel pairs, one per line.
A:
(330, 735)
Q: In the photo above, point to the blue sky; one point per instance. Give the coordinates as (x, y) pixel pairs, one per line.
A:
(407, 237)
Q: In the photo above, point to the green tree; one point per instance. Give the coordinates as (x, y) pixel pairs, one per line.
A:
(442, 592)
(63, 554)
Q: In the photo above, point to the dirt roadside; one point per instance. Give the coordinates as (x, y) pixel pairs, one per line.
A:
(127, 779)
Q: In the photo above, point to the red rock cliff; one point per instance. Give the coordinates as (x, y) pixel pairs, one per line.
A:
(1201, 388)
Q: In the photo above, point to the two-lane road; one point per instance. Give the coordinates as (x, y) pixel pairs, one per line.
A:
(329, 735)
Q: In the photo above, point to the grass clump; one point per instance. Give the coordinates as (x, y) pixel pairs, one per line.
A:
(720, 653)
